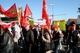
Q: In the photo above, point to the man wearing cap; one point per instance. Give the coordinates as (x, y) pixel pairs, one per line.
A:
(38, 37)
(29, 39)
(56, 38)
(16, 35)
(17, 30)
(73, 39)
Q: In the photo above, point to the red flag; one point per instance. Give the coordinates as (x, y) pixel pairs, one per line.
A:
(1, 10)
(12, 11)
(45, 13)
(27, 13)
(21, 17)
(44, 26)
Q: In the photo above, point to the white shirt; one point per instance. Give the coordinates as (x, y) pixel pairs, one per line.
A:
(17, 29)
(78, 34)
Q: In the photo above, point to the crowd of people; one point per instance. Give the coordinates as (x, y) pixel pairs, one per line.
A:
(34, 39)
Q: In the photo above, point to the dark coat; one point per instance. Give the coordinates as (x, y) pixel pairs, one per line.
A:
(56, 36)
(36, 37)
(74, 37)
(6, 42)
(29, 37)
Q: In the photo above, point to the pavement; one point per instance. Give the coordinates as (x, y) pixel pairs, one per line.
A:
(64, 49)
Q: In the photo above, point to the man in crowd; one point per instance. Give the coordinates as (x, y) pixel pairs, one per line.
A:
(56, 38)
(72, 39)
(29, 39)
(15, 29)
(79, 34)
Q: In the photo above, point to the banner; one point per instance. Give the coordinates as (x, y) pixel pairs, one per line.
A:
(56, 23)
(62, 25)
(40, 22)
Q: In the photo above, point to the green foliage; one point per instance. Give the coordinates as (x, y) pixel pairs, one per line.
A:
(72, 23)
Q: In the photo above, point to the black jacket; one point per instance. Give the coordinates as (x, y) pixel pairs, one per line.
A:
(29, 37)
(6, 42)
(74, 37)
(56, 36)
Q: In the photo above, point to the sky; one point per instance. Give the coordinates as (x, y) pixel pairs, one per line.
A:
(61, 9)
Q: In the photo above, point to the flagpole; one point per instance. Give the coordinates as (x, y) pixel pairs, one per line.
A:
(18, 15)
(0, 16)
(52, 13)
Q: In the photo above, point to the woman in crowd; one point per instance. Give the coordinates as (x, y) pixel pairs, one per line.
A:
(46, 40)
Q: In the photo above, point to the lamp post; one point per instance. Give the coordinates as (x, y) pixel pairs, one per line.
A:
(52, 13)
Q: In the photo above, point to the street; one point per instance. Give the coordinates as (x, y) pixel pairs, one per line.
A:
(64, 49)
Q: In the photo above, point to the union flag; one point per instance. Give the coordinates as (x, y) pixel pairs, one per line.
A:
(21, 17)
(1, 9)
(45, 13)
(12, 12)
(27, 13)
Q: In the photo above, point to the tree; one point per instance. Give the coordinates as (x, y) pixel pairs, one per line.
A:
(72, 23)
